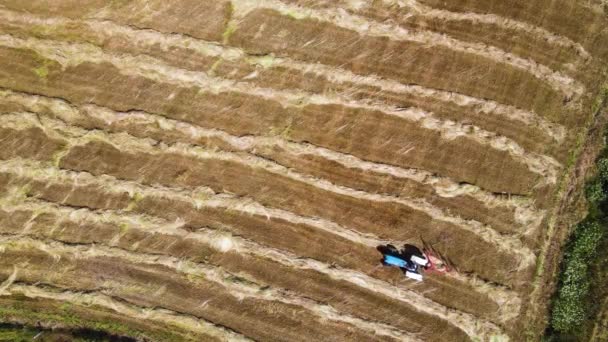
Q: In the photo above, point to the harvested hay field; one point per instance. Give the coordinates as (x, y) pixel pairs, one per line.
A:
(225, 170)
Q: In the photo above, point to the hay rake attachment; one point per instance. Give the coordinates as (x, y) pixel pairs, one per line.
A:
(413, 261)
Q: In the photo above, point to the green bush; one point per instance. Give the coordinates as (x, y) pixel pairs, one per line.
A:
(569, 309)
(596, 189)
(602, 168)
(586, 240)
(595, 192)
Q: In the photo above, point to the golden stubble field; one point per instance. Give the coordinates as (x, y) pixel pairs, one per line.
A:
(200, 170)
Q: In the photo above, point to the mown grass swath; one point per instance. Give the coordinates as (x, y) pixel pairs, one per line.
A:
(168, 180)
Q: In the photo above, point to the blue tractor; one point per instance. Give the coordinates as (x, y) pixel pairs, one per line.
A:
(411, 260)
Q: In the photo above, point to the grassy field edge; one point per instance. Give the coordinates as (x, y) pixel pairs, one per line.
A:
(571, 209)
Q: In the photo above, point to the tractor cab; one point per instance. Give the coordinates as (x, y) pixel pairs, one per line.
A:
(411, 260)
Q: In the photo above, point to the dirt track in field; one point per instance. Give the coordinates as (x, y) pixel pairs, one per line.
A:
(227, 169)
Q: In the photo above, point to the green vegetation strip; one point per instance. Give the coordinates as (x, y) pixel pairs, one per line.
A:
(17, 333)
(25, 333)
(570, 308)
(579, 291)
(80, 323)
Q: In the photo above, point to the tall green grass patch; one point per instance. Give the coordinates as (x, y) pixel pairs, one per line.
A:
(570, 306)
(574, 303)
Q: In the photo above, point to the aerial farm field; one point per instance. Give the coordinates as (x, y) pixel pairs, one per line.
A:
(225, 170)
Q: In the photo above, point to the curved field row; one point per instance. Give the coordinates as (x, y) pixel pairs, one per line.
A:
(143, 201)
(506, 24)
(40, 307)
(181, 165)
(72, 137)
(47, 224)
(508, 302)
(203, 200)
(193, 325)
(171, 284)
(241, 289)
(102, 228)
(71, 230)
(72, 56)
(9, 286)
(506, 215)
(79, 194)
(268, 72)
(406, 62)
(528, 93)
(412, 149)
(528, 41)
(229, 169)
(560, 17)
(428, 39)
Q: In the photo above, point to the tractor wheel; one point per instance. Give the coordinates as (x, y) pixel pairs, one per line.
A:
(411, 250)
(392, 249)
